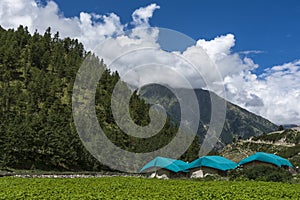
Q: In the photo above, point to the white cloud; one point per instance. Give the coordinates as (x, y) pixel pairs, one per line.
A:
(219, 47)
(37, 17)
(219, 50)
(275, 94)
(142, 15)
(92, 33)
(252, 52)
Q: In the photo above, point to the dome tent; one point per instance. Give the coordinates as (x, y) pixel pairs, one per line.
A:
(266, 158)
(165, 163)
(216, 162)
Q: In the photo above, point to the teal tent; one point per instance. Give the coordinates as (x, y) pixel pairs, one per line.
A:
(267, 158)
(166, 163)
(216, 162)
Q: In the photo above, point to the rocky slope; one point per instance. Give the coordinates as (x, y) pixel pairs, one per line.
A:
(284, 143)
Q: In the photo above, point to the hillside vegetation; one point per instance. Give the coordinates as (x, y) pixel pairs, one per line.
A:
(284, 143)
(37, 74)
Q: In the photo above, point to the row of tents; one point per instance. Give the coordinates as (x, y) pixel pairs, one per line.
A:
(212, 164)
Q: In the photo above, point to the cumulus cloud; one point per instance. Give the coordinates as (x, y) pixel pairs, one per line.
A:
(219, 50)
(275, 94)
(142, 15)
(219, 47)
(88, 28)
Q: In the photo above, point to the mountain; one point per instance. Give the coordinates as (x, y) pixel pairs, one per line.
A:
(284, 143)
(37, 130)
(239, 123)
(288, 126)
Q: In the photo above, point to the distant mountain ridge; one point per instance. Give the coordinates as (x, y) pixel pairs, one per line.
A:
(239, 123)
(288, 126)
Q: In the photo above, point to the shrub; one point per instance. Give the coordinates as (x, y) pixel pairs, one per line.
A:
(261, 173)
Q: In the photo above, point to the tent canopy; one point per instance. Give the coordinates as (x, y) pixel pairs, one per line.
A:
(216, 162)
(268, 158)
(166, 163)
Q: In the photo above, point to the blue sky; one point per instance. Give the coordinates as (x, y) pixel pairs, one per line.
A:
(269, 26)
(253, 44)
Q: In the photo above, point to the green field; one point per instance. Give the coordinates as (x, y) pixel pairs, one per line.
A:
(141, 188)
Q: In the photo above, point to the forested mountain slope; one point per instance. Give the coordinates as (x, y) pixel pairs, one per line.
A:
(37, 74)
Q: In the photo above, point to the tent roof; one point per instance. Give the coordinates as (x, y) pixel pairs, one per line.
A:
(268, 158)
(166, 163)
(216, 162)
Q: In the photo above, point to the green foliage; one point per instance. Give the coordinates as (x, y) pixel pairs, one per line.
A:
(141, 188)
(261, 173)
(37, 74)
(280, 128)
(35, 103)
